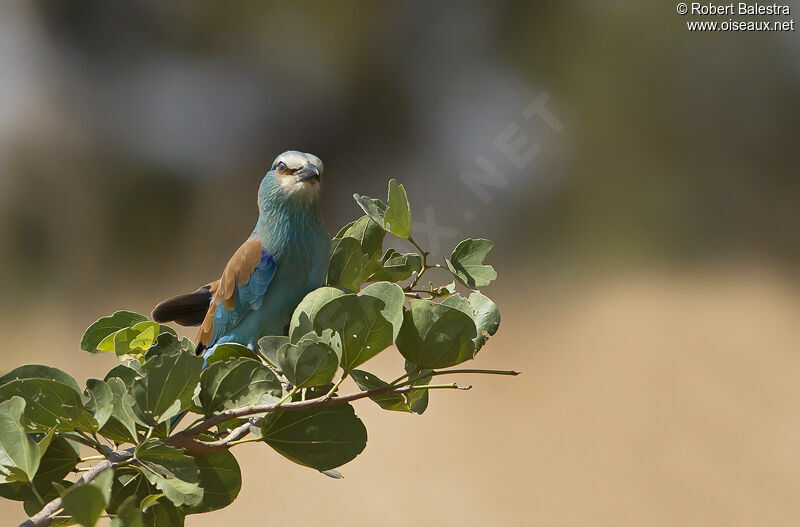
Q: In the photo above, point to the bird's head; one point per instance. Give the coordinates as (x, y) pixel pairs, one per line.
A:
(295, 176)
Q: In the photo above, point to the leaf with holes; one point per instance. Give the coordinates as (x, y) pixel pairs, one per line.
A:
(393, 298)
(305, 312)
(44, 399)
(435, 335)
(37, 371)
(359, 322)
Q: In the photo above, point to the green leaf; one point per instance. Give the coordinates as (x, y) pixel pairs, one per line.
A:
(466, 263)
(369, 234)
(236, 383)
(484, 313)
(44, 440)
(167, 387)
(220, 479)
(131, 486)
(374, 208)
(418, 399)
(223, 352)
(17, 450)
(106, 326)
(121, 426)
(164, 514)
(129, 483)
(370, 237)
(148, 333)
(436, 335)
(343, 230)
(37, 371)
(322, 438)
(396, 267)
(149, 501)
(33, 506)
(166, 461)
(58, 461)
(128, 514)
(173, 472)
(486, 316)
(349, 266)
(143, 338)
(124, 373)
(359, 322)
(80, 418)
(333, 474)
(99, 400)
(310, 362)
(269, 347)
(305, 312)
(393, 298)
(103, 482)
(397, 218)
(168, 343)
(119, 343)
(44, 399)
(86, 503)
(387, 401)
(445, 290)
(458, 302)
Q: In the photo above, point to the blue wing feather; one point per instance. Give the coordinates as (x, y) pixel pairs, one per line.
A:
(249, 298)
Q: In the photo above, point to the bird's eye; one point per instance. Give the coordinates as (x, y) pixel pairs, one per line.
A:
(281, 167)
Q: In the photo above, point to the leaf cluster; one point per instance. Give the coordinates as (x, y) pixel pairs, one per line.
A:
(148, 470)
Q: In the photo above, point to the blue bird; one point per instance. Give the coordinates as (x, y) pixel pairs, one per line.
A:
(284, 259)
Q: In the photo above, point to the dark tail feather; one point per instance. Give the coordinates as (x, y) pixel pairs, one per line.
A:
(186, 310)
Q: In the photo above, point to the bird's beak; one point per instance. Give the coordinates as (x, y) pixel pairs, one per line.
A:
(307, 173)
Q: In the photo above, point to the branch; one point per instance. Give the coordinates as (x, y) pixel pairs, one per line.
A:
(186, 438)
(114, 460)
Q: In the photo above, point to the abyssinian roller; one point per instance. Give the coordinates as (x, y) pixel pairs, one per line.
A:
(285, 258)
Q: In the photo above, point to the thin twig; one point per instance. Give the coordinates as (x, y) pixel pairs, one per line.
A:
(484, 372)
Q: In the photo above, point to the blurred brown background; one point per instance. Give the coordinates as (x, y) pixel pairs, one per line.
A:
(648, 245)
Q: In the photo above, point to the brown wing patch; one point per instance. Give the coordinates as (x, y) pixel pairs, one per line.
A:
(241, 265)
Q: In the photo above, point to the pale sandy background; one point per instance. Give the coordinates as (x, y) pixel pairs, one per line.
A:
(648, 255)
(654, 399)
